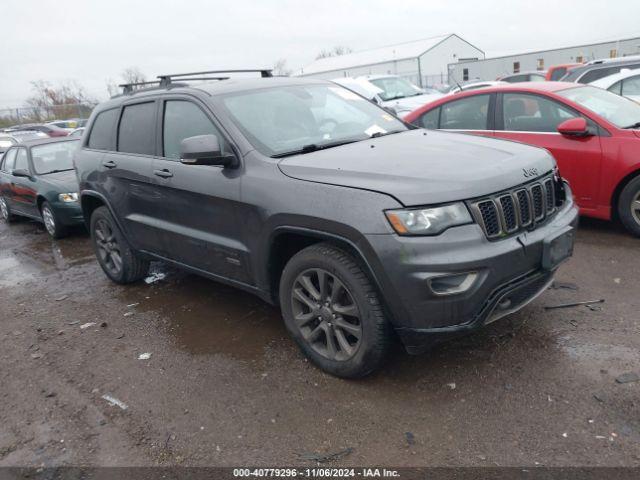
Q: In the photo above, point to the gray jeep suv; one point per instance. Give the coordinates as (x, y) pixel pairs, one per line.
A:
(359, 226)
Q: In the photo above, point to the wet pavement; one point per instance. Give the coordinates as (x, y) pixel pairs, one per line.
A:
(224, 385)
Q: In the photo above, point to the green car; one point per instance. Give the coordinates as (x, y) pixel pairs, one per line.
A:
(38, 180)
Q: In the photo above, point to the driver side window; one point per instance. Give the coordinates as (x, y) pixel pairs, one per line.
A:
(471, 113)
(533, 113)
(21, 160)
(183, 119)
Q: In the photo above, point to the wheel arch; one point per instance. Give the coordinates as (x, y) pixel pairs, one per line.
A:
(286, 241)
(615, 197)
(90, 201)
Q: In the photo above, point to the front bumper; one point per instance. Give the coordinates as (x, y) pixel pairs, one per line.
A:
(510, 274)
(69, 214)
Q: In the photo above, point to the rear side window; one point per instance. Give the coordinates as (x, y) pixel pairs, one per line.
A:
(631, 86)
(616, 88)
(136, 133)
(430, 119)
(182, 120)
(558, 73)
(9, 160)
(102, 130)
(593, 75)
(469, 113)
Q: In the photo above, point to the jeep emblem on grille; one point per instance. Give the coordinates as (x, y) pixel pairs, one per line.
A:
(530, 172)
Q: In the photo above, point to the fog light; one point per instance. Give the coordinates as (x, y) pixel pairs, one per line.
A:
(452, 284)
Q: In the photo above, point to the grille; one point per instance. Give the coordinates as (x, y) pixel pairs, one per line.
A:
(514, 210)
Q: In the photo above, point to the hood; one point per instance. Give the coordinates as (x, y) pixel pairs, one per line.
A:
(63, 182)
(420, 168)
(406, 105)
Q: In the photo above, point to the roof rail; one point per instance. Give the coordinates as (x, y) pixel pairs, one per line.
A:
(167, 79)
(128, 87)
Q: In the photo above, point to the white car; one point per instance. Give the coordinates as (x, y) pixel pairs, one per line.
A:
(391, 91)
(625, 83)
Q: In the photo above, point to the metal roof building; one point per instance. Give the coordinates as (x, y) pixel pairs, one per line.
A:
(491, 68)
(424, 62)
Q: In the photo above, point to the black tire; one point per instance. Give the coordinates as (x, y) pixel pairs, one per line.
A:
(51, 223)
(366, 350)
(629, 206)
(5, 212)
(110, 245)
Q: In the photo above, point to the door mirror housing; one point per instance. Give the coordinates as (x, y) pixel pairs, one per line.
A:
(21, 173)
(575, 127)
(205, 150)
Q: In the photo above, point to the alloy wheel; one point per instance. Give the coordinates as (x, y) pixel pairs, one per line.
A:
(49, 221)
(635, 207)
(326, 314)
(4, 210)
(108, 248)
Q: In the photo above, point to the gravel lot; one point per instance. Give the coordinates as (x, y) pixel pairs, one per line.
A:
(225, 386)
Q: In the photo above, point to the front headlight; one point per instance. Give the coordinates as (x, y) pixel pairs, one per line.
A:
(428, 221)
(68, 197)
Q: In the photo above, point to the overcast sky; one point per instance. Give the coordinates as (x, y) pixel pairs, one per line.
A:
(90, 41)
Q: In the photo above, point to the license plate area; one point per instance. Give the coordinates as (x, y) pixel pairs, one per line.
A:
(558, 248)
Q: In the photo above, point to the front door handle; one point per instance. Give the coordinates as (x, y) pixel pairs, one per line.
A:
(163, 173)
(109, 164)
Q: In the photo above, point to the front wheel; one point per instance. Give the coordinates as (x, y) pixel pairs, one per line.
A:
(117, 259)
(5, 212)
(333, 312)
(51, 223)
(629, 206)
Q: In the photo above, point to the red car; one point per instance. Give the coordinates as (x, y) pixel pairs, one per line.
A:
(593, 134)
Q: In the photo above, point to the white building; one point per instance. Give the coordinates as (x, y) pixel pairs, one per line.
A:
(491, 68)
(423, 62)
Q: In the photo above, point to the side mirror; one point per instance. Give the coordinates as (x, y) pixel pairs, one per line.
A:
(205, 150)
(21, 173)
(575, 127)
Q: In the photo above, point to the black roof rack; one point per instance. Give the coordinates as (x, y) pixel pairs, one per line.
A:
(167, 79)
(128, 87)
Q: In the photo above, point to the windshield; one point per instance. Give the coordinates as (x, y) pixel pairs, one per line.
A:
(53, 157)
(618, 110)
(395, 87)
(284, 120)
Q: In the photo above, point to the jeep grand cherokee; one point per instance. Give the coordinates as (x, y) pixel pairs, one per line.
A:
(313, 198)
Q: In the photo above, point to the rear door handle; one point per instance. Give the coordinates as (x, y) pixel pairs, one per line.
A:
(163, 173)
(109, 164)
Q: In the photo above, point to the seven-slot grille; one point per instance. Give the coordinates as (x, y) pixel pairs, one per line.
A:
(511, 211)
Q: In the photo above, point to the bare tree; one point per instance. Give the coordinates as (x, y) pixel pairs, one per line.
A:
(334, 52)
(133, 75)
(280, 68)
(66, 100)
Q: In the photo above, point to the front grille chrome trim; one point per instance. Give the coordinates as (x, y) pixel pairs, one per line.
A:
(508, 212)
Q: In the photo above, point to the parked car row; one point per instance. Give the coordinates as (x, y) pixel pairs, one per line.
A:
(56, 128)
(316, 198)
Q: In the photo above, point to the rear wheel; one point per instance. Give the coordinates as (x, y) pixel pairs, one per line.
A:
(117, 259)
(333, 312)
(629, 206)
(5, 212)
(51, 223)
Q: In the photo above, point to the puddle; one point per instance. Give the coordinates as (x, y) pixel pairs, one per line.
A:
(27, 252)
(201, 316)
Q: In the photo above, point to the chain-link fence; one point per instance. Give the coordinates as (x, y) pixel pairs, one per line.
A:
(21, 115)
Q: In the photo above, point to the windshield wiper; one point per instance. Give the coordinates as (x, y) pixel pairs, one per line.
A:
(312, 147)
(635, 125)
(58, 171)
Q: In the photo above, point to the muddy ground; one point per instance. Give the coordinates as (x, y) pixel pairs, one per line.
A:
(225, 386)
